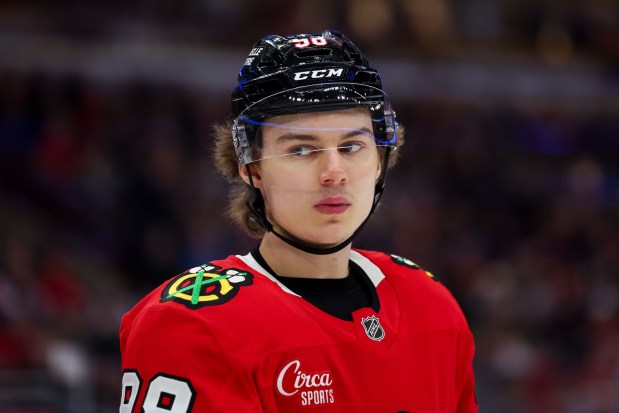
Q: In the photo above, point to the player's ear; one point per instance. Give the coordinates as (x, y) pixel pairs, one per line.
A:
(255, 174)
(379, 168)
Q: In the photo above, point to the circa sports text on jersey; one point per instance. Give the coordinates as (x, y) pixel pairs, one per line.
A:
(313, 388)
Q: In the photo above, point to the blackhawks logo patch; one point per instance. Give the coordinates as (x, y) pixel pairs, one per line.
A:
(205, 285)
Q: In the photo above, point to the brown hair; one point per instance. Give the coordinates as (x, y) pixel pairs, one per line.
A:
(227, 163)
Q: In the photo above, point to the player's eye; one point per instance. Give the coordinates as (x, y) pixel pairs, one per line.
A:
(350, 147)
(302, 150)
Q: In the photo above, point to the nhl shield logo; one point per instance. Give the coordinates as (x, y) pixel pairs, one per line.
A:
(372, 327)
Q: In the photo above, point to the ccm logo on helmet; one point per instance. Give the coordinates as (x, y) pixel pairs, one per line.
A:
(318, 74)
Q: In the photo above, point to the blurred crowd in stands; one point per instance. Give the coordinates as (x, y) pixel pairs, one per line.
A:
(556, 30)
(108, 190)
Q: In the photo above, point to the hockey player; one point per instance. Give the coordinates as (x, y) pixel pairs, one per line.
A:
(303, 320)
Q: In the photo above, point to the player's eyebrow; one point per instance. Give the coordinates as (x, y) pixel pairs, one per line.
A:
(289, 136)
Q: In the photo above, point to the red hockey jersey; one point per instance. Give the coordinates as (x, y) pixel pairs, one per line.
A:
(228, 337)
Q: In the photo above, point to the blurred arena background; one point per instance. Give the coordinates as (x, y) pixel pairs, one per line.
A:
(508, 189)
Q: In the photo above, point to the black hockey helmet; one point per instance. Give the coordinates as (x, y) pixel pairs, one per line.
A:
(306, 73)
(277, 63)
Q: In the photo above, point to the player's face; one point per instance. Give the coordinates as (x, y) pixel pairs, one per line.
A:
(318, 173)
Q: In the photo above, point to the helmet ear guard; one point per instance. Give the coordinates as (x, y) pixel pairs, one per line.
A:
(241, 141)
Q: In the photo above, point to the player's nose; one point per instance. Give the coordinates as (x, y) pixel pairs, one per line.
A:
(332, 169)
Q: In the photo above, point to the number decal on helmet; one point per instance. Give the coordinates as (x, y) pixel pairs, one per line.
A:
(305, 42)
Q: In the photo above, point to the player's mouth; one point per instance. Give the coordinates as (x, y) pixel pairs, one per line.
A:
(332, 205)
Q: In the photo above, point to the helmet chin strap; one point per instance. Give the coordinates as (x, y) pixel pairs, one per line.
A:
(258, 215)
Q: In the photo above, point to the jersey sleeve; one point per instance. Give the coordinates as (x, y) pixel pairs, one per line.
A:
(466, 399)
(465, 379)
(173, 362)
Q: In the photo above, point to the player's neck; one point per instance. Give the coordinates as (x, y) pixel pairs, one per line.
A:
(288, 261)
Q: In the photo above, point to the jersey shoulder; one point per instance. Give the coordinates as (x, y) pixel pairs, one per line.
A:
(212, 284)
(208, 292)
(417, 288)
(393, 265)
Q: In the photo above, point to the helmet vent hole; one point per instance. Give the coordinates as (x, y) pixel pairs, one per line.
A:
(308, 53)
(267, 64)
(354, 58)
(366, 78)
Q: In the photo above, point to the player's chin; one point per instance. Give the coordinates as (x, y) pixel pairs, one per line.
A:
(332, 235)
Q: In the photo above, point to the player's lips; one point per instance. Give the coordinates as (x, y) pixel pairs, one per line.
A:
(333, 205)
